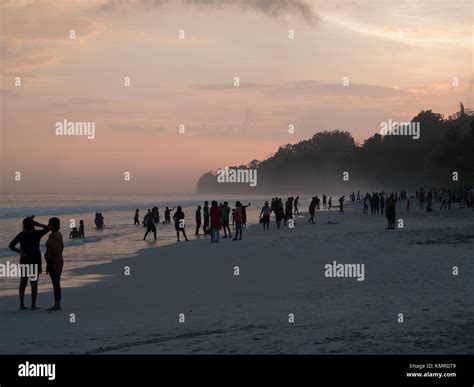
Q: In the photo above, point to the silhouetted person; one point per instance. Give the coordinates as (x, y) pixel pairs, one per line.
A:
(297, 203)
(312, 210)
(390, 212)
(206, 217)
(179, 224)
(168, 214)
(279, 212)
(150, 225)
(265, 216)
(198, 220)
(29, 240)
(215, 214)
(341, 204)
(238, 220)
(288, 209)
(74, 234)
(225, 215)
(54, 260)
(99, 220)
(82, 229)
(136, 217)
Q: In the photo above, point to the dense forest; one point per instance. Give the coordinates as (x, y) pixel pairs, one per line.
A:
(379, 163)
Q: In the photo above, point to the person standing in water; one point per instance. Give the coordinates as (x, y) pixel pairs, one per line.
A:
(150, 225)
(238, 220)
(225, 214)
(81, 229)
(29, 240)
(206, 217)
(168, 214)
(198, 220)
(136, 217)
(179, 223)
(54, 260)
(215, 214)
(74, 234)
(265, 216)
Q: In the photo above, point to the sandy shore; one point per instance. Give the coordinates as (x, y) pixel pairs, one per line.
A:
(407, 271)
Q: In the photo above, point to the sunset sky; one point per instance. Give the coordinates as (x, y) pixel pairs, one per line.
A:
(400, 58)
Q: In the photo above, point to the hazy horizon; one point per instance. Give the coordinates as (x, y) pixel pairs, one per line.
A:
(399, 58)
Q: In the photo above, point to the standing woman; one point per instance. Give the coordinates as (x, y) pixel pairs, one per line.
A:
(54, 260)
(29, 240)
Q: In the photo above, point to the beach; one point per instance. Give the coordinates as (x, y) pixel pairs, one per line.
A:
(184, 298)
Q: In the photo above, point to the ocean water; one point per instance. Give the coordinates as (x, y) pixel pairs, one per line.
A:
(119, 239)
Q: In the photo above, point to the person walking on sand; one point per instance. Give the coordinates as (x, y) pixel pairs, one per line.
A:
(198, 220)
(297, 203)
(341, 204)
(279, 212)
(288, 209)
(330, 203)
(216, 225)
(54, 260)
(238, 221)
(312, 210)
(265, 216)
(206, 217)
(390, 212)
(150, 224)
(382, 202)
(179, 223)
(29, 240)
(136, 217)
(225, 215)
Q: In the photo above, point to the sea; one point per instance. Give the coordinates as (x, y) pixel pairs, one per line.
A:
(119, 238)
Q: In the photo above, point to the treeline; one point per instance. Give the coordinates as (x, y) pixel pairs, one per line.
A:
(381, 162)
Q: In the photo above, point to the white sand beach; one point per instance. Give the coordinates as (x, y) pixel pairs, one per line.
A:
(407, 271)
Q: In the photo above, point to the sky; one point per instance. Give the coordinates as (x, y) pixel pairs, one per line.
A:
(395, 57)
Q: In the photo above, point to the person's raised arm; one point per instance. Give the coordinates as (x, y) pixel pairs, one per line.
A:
(37, 224)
